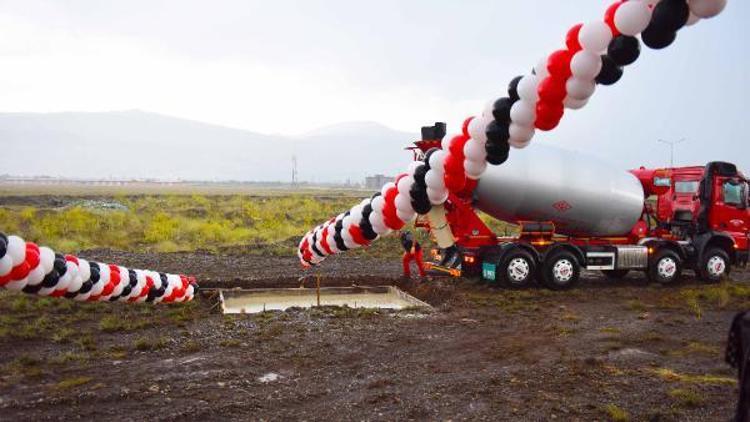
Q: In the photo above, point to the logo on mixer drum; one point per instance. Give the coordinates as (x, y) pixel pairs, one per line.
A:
(562, 206)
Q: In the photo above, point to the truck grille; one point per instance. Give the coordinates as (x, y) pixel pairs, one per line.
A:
(632, 257)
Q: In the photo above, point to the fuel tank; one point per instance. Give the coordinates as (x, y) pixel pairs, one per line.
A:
(582, 195)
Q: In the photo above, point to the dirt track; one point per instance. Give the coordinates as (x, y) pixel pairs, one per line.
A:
(482, 353)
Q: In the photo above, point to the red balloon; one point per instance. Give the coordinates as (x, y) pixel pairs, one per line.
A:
(571, 40)
(20, 271)
(558, 64)
(5, 280)
(548, 115)
(609, 17)
(32, 258)
(71, 258)
(454, 182)
(456, 146)
(399, 177)
(465, 126)
(552, 90)
(453, 164)
(324, 241)
(32, 246)
(357, 235)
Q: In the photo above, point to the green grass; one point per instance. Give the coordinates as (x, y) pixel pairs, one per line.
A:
(615, 413)
(170, 223)
(72, 382)
(686, 398)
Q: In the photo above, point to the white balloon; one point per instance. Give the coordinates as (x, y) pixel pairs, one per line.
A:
(17, 285)
(575, 103)
(475, 151)
(387, 187)
(378, 203)
(707, 8)
(515, 143)
(64, 282)
(412, 167)
(6, 265)
(98, 287)
(376, 221)
(586, 65)
(405, 184)
(692, 19)
(403, 203)
(523, 112)
(477, 129)
(527, 89)
(84, 269)
(47, 259)
(16, 249)
(437, 159)
(36, 275)
(434, 180)
(521, 133)
(356, 215)
(346, 223)
(595, 36)
(332, 241)
(406, 216)
(75, 278)
(580, 89)
(632, 17)
(474, 169)
(541, 68)
(446, 142)
(437, 196)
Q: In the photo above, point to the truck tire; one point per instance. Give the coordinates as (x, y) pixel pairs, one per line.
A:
(665, 267)
(714, 265)
(615, 274)
(560, 271)
(517, 269)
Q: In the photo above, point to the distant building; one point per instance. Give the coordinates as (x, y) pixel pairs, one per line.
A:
(377, 181)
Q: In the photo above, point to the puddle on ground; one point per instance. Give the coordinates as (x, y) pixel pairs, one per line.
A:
(252, 301)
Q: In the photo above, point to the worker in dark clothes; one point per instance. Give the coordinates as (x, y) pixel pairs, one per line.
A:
(412, 250)
(738, 356)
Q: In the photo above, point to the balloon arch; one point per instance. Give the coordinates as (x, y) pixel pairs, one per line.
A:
(595, 53)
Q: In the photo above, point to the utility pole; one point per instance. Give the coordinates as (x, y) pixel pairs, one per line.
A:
(671, 149)
(294, 170)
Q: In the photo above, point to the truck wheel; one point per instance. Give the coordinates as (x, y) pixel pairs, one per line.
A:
(615, 274)
(561, 271)
(665, 267)
(517, 269)
(714, 265)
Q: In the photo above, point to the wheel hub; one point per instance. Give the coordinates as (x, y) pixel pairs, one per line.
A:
(563, 270)
(716, 266)
(518, 269)
(667, 267)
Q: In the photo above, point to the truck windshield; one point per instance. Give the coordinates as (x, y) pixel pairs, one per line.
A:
(686, 186)
(733, 193)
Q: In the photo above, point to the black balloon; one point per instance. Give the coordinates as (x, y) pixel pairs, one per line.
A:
(3, 247)
(419, 175)
(367, 230)
(60, 264)
(657, 38)
(337, 236)
(32, 289)
(610, 72)
(513, 88)
(366, 211)
(86, 287)
(501, 110)
(624, 50)
(497, 133)
(51, 279)
(670, 15)
(95, 276)
(497, 153)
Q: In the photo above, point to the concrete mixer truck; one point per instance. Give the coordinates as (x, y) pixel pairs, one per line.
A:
(576, 213)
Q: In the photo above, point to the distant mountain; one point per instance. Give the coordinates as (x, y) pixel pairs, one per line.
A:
(137, 144)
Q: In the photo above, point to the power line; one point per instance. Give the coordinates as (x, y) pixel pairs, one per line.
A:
(671, 148)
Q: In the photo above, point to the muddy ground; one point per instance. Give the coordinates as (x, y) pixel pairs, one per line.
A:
(607, 350)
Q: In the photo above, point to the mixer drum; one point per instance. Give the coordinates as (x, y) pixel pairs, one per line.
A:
(582, 195)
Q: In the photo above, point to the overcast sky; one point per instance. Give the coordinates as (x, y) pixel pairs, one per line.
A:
(287, 67)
